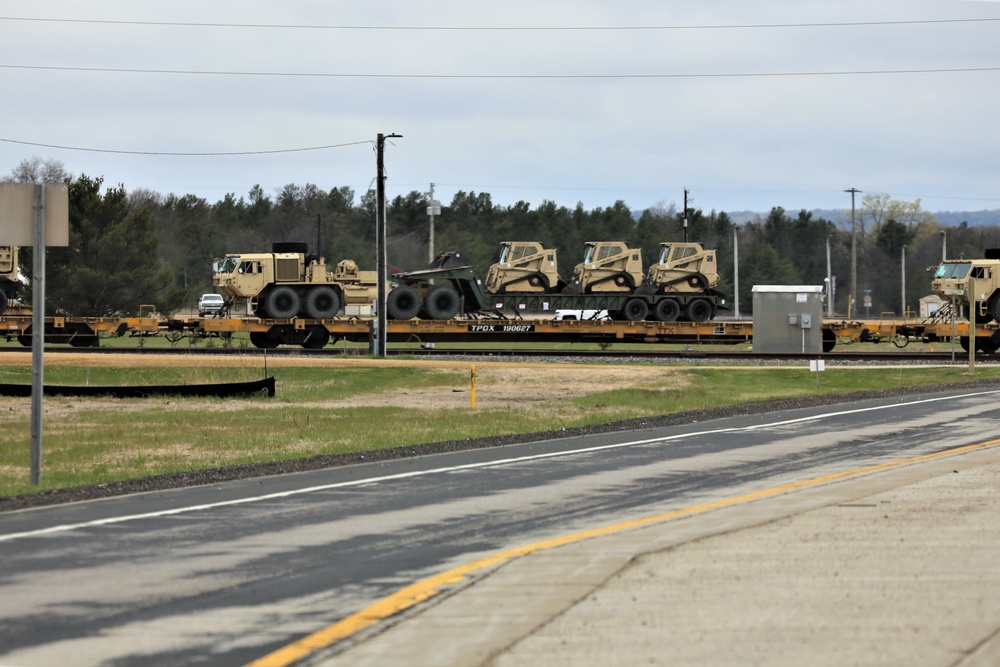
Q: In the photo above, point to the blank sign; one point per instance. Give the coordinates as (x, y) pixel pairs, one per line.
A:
(17, 214)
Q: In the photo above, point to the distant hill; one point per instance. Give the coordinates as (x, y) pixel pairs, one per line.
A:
(982, 218)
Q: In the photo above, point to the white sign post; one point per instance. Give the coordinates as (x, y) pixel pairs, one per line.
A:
(27, 212)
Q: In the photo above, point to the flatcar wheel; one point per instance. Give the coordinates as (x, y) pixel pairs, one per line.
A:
(317, 339)
(263, 340)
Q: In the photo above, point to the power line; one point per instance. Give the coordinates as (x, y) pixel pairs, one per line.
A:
(342, 75)
(183, 154)
(591, 28)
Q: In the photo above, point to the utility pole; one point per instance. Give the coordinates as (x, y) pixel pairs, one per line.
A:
(736, 272)
(854, 251)
(829, 281)
(380, 258)
(903, 280)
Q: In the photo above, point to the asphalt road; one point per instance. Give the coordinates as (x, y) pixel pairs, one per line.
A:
(225, 574)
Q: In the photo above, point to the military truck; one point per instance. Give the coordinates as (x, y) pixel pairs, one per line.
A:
(955, 278)
(9, 284)
(289, 283)
(525, 282)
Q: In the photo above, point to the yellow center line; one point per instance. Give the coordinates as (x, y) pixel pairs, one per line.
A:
(418, 592)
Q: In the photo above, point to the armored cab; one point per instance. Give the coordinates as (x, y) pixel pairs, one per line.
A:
(957, 278)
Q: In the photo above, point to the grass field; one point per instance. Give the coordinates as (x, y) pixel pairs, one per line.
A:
(347, 405)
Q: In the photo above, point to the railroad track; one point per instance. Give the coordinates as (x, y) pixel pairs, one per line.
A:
(694, 355)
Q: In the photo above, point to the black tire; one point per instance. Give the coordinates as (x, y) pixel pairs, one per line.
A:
(993, 307)
(3, 303)
(263, 340)
(322, 303)
(698, 310)
(318, 338)
(403, 303)
(829, 340)
(84, 340)
(635, 310)
(988, 344)
(442, 303)
(282, 303)
(667, 310)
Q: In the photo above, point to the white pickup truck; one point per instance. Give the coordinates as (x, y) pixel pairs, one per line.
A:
(210, 304)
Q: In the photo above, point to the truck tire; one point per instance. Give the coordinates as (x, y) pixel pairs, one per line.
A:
(3, 302)
(442, 303)
(282, 303)
(667, 310)
(635, 310)
(322, 303)
(403, 303)
(992, 306)
(698, 310)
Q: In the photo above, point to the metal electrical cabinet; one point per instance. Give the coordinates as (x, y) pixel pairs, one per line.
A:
(788, 319)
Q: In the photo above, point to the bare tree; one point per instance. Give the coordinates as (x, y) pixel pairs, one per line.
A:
(37, 170)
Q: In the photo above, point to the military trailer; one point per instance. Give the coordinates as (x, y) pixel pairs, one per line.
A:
(525, 282)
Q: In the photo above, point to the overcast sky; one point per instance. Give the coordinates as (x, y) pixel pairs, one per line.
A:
(749, 105)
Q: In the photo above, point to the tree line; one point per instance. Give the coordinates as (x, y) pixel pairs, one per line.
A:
(141, 247)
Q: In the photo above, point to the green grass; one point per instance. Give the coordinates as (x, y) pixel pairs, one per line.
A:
(88, 441)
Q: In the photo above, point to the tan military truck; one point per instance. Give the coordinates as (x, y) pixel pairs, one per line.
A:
(956, 277)
(288, 283)
(9, 284)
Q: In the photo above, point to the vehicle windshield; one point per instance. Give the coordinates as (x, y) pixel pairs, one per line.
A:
(665, 254)
(504, 254)
(589, 257)
(953, 270)
(229, 264)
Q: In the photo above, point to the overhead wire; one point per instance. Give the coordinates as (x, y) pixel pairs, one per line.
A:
(185, 153)
(494, 28)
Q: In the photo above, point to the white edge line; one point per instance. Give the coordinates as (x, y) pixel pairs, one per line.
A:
(469, 466)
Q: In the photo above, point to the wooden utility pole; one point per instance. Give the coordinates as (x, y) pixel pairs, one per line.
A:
(854, 250)
(380, 258)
